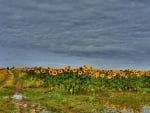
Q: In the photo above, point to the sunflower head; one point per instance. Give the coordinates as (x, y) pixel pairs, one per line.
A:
(79, 72)
(74, 70)
(60, 71)
(54, 73)
(66, 69)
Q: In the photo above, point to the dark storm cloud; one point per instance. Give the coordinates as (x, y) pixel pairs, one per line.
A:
(96, 31)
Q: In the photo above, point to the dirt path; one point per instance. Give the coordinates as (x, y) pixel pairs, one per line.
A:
(18, 88)
(22, 105)
(6, 79)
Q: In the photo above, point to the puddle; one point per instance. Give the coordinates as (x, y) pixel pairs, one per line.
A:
(23, 106)
(44, 111)
(28, 107)
(144, 109)
(18, 96)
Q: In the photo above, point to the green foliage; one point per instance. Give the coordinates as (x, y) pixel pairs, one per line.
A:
(72, 83)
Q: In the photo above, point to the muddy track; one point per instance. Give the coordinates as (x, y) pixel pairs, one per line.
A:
(18, 83)
(22, 105)
(7, 77)
(18, 88)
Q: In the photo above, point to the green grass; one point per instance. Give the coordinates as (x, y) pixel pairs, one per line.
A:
(60, 102)
(6, 102)
(57, 97)
(64, 103)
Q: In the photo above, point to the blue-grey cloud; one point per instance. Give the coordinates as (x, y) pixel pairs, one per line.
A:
(97, 31)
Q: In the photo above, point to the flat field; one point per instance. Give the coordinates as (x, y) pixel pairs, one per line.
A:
(74, 90)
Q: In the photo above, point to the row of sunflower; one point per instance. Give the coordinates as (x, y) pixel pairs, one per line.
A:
(87, 78)
(84, 69)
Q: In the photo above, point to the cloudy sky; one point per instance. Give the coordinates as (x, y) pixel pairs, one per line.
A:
(101, 33)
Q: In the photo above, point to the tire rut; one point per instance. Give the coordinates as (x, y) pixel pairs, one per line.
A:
(7, 78)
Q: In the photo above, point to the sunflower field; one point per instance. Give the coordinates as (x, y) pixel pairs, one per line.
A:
(85, 79)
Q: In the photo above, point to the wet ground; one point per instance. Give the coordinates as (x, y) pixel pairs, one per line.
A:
(24, 106)
(20, 103)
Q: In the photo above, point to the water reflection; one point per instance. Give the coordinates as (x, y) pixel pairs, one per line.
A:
(18, 96)
(23, 106)
(144, 109)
